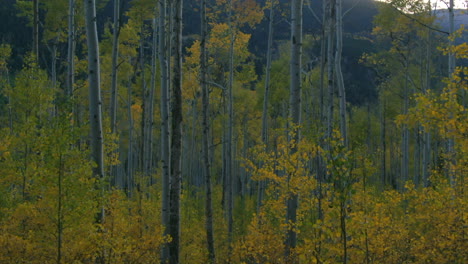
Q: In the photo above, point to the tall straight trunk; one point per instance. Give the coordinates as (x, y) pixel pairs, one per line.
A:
(451, 69)
(339, 73)
(150, 115)
(383, 144)
(95, 102)
(176, 139)
(115, 55)
(426, 151)
(261, 184)
(164, 105)
(451, 55)
(71, 48)
(35, 48)
(323, 61)
(206, 135)
(129, 178)
(295, 116)
(144, 99)
(53, 66)
(60, 210)
(405, 132)
(330, 74)
(230, 121)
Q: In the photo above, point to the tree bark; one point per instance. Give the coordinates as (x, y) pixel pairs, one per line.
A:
(176, 139)
(295, 116)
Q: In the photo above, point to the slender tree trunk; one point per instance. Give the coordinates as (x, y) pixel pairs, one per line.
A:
(383, 143)
(451, 56)
(71, 48)
(230, 124)
(451, 69)
(150, 116)
(95, 102)
(426, 152)
(206, 131)
(36, 29)
(164, 105)
(176, 146)
(144, 99)
(60, 210)
(261, 184)
(405, 132)
(295, 115)
(115, 56)
(323, 61)
(54, 64)
(339, 73)
(129, 178)
(331, 26)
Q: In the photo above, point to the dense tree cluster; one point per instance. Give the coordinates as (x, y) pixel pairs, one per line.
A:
(129, 135)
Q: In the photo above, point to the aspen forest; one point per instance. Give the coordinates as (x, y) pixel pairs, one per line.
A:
(233, 131)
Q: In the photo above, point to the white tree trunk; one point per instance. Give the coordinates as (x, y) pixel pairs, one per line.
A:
(95, 102)
(295, 116)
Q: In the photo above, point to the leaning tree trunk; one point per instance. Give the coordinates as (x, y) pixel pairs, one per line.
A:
(295, 115)
(176, 139)
(206, 135)
(95, 102)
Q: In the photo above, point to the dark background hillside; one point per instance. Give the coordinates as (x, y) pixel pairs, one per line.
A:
(357, 27)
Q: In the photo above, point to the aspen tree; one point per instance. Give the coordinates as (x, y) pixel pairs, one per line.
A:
(295, 116)
(95, 102)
